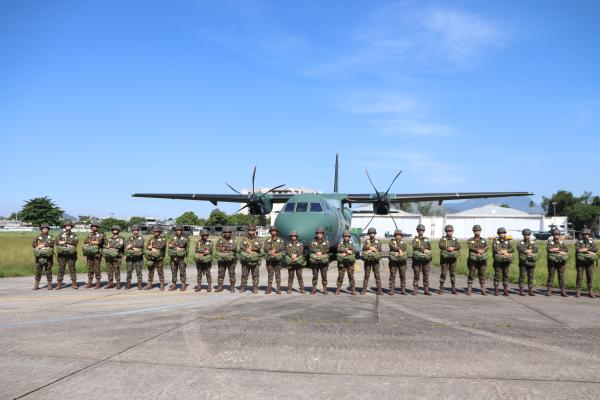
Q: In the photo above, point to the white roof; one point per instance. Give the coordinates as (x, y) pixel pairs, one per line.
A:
(492, 210)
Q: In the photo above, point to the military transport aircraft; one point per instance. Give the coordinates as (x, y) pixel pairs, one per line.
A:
(332, 211)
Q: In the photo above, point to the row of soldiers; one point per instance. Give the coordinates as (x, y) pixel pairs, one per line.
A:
(291, 255)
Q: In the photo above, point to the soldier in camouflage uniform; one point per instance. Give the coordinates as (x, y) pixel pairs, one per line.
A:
(557, 260)
(319, 260)
(586, 252)
(528, 255)
(345, 262)
(502, 250)
(294, 261)
(371, 254)
(421, 260)
(66, 254)
(155, 256)
(113, 252)
(449, 253)
(43, 250)
(94, 241)
(178, 246)
(250, 258)
(477, 261)
(274, 249)
(134, 256)
(203, 259)
(226, 253)
(397, 262)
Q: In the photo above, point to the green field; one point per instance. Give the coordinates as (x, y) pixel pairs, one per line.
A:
(16, 259)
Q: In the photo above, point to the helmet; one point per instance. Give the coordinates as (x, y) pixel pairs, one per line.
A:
(346, 233)
(372, 230)
(293, 233)
(476, 228)
(44, 225)
(556, 231)
(94, 223)
(135, 228)
(68, 222)
(501, 230)
(449, 228)
(227, 229)
(526, 231)
(156, 229)
(116, 228)
(204, 232)
(586, 231)
(251, 227)
(320, 230)
(398, 232)
(273, 228)
(420, 227)
(178, 227)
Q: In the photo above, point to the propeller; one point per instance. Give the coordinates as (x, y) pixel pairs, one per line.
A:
(255, 203)
(381, 206)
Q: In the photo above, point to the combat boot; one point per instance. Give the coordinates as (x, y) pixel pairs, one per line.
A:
(391, 291)
(403, 290)
(521, 291)
(209, 286)
(469, 289)
(549, 292)
(74, 285)
(49, 285)
(118, 287)
(426, 291)
(89, 284)
(453, 288)
(325, 291)
(198, 288)
(255, 289)
(505, 290)
(172, 287)
(219, 289)
(58, 285)
(415, 290)
(591, 293)
(483, 291)
(563, 293)
(337, 289)
(313, 290)
(161, 286)
(531, 293)
(269, 289)
(578, 293)
(148, 285)
(183, 287)
(128, 286)
(110, 285)
(495, 290)
(139, 285)
(379, 291)
(232, 288)
(98, 286)
(36, 285)
(353, 291)
(242, 289)
(364, 290)
(278, 289)
(441, 288)
(302, 290)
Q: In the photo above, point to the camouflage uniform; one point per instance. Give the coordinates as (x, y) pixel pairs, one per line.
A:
(528, 254)
(397, 261)
(274, 248)
(155, 258)
(93, 261)
(421, 260)
(250, 258)
(586, 252)
(502, 262)
(319, 263)
(345, 262)
(65, 258)
(371, 254)
(134, 258)
(557, 263)
(177, 252)
(43, 263)
(448, 258)
(477, 261)
(294, 248)
(203, 258)
(113, 264)
(226, 252)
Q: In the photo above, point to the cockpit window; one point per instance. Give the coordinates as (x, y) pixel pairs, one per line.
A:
(289, 207)
(301, 207)
(316, 207)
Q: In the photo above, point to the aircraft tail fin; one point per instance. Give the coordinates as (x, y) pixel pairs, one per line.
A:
(335, 181)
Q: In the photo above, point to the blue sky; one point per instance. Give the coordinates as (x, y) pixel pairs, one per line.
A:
(101, 99)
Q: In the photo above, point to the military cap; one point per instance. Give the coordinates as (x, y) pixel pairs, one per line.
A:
(204, 232)
(273, 228)
(320, 230)
(94, 223)
(44, 225)
(420, 227)
(448, 228)
(501, 230)
(372, 230)
(346, 233)
(556, 231)
(526, 231)
(476, 228)
(293, 233)
(135, 228)
(156, 229)
(251, 227)
(227, 229)
(115, 228)
(586, 231)
(398, 232)
(68, 222)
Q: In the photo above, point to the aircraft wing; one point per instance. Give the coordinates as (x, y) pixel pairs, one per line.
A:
(213, 198)
(439, 197)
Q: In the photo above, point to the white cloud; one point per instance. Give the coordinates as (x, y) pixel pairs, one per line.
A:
(412, 127)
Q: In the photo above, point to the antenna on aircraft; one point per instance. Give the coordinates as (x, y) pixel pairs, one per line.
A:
(337, 167)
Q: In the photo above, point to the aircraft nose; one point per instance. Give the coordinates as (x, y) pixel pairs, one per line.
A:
(288, 223)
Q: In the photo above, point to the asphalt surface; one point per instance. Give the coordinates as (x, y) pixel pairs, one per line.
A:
(109, 344)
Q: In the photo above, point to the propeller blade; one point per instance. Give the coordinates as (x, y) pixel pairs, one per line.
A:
(253, 176)
(368, 176)
(232, 188)
(269, 191)
(371, 220)
(241, 208)
(393, 220)
(396, 177)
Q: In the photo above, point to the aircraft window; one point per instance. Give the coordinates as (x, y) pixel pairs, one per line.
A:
(316, 207)
(289, 207)
(301, 207)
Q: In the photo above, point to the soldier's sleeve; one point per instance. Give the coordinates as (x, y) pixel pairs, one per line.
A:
(75, 241)
(534, 248)
(442, 244)
(511, 247)
(593, 247)
(471, 245)
(101, 241)
(578, 246)
(365, 246)
(86, 240)
(428, 245)
(521, 247)
(34, 242)
(379, 247)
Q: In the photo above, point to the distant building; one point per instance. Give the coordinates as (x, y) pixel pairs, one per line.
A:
(10, 225)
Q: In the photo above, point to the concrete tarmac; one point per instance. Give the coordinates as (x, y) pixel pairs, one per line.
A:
(130, 344)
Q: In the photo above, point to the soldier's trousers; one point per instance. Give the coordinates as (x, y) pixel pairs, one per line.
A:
(589, 272)
(298, 272)
(136, 263)
(178, 264)
(43, 265)
(476, 268)
(203, 269)
(63, 263)
(93, 265)
(399, 268)
(316, 269)
(159, 266)
(228, 266)
(274, 268)
(342, 269)
(417, 269)
(375, 267)
(530, 271)
(501, 268)
(113, 267)
(448, 265)
(559, 268)
(247, 270)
